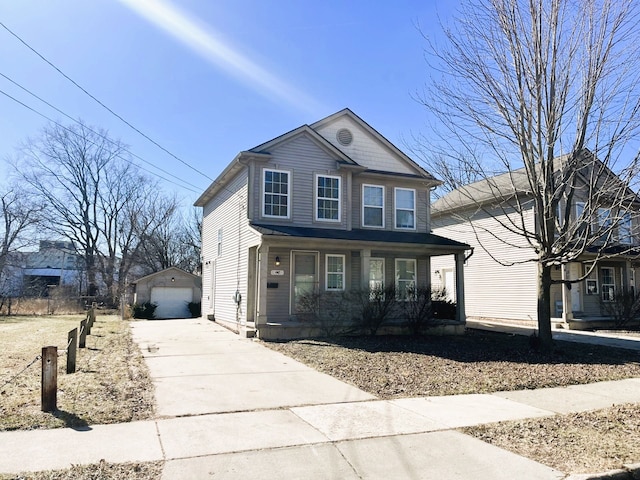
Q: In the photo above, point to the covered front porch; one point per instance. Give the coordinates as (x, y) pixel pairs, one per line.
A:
(292, 263)
(590, 303)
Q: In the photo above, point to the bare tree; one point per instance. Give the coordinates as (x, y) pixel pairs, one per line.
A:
(66, 167)
(20, 215)
(175, 243)
(545, 92)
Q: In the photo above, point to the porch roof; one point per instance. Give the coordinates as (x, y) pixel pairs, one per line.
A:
(361, 235)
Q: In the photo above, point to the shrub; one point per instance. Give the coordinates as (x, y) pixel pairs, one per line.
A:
(195, 309)
(425, 306)
(329, 311)
(624, 309)
(145, 311)
(374, 306)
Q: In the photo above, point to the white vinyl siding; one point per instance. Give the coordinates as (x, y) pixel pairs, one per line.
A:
(373, 206)
(405, 208)
(276, 185)
(513, 292)
(328, 203)
(334, 270)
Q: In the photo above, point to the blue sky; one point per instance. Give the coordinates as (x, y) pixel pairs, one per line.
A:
(207, 79)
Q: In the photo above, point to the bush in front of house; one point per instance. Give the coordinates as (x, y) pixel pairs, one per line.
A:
(145, 310)
(624, 308)
(195, 309)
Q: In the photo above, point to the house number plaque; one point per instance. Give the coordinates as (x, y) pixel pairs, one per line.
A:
(277, 273)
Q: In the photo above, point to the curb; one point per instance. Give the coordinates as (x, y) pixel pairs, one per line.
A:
(627, 472)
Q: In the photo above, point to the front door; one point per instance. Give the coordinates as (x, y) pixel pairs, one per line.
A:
(305, 279)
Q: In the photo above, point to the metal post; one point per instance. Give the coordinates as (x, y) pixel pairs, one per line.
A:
(49, 378)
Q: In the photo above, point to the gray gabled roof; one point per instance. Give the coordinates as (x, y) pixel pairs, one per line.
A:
(359, 235)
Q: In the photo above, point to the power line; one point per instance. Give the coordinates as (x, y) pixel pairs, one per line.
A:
(96, 133)
(102, 104)
(75, 133)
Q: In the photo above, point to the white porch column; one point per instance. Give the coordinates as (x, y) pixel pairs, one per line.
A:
(567, 304)
(263, 272)
(461, 315)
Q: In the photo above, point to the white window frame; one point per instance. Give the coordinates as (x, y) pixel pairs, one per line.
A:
(406, 281)
(317, 198)
(624, 229)
(396, 209)
(606, 286)
(371, 282)
(219, 242)
(591, 283)
(265, 193)
(604, 220)
(365, 206)
(341, 275)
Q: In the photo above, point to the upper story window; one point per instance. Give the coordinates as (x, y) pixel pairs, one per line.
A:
(624, 229)
(327, 198)
(405, 208)
(604, 218)
(372, 206)
(277, 185)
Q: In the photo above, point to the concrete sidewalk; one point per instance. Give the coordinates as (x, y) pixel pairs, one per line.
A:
(231, 408)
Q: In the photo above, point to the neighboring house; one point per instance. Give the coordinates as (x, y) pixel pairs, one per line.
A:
(326, 207)
(500, 280)
(55, 264)
(171, 289)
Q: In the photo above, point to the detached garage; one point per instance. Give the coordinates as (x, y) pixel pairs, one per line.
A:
(171, 290)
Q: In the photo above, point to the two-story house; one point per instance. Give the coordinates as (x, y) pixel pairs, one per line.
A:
(326, 207)
(501, 275)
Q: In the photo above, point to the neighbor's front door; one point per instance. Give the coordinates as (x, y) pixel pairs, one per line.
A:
(305, 278)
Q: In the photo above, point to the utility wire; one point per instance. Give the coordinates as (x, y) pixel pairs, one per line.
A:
(75, 133)
(102, 104)
(97, 133)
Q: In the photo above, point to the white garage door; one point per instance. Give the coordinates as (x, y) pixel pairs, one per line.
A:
(172, 301)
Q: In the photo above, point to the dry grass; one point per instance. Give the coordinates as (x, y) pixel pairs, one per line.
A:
(585, 442)
(100, 471)
(111, 384)
(483, 362)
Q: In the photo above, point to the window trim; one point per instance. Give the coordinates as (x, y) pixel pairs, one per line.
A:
(316, 197)
(377, 259)
(626, 226)
(382, 208)
(264, 193)
(613, 278)
(327, 273)
(396, 209)
(397, 278)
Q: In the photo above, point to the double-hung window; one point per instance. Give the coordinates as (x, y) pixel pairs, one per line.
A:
(405, 204)
(624, 229)
(327, 198)
(604, 219)
(276, 185)
(608, 284)
(372, 206)
(335, 272)
(405, 278)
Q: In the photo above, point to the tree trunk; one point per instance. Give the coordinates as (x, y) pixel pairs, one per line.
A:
(544, 307)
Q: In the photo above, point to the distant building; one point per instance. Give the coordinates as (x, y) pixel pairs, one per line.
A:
(55, 264)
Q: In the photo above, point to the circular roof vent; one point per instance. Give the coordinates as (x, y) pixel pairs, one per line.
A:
(344, 136)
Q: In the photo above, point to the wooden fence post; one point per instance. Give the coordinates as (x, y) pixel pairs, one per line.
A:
(89, 323)
(72, 348)
(49, 378)
(83, 334)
